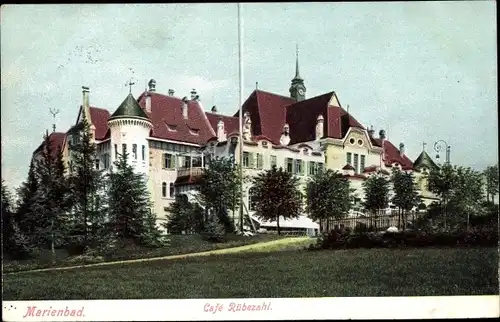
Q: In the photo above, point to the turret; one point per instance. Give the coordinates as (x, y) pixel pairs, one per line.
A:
(130, 126)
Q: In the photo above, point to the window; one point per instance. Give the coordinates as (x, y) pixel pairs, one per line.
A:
(172, 190)
(362, 164)
(298, 166)
(116, 151)
(97, 164)
(187, 162)
(164, 189)
(352, 141)
(260, 161)
(349, 158)
(143, 152)
(124, 149)
(312, 167)
(319, 167)
(274, 162)
(197, 161)
(246, 159)
(134, 151)
(289, 165)
(355, 165)
(106, 161)
(168, 161)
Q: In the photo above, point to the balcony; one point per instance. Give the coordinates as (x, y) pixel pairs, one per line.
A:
(194, 171)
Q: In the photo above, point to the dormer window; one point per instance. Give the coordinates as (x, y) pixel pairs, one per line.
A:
(304, 151)
(172, 128)
(194, 131)
(264, 144)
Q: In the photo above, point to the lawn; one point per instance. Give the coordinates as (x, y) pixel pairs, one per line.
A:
(178, 244)
(356, 272)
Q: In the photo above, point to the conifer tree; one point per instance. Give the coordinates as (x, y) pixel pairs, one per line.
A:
(184, 217)
(14, 241)
(130, 211)
(85, 184)
(26, 194)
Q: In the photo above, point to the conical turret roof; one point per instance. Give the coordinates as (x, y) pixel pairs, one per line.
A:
(424, 161)
(129, 108)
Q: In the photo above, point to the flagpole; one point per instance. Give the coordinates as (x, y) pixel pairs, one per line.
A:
(240, 76)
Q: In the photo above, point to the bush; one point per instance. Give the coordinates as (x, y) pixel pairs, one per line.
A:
(478, 236)
(214, 230)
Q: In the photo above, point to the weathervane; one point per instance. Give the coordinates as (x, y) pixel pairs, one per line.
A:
(131, 81)
(54, 112)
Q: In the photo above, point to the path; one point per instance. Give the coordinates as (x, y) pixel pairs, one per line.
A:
(256, 246)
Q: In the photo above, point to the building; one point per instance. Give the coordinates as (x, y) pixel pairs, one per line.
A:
(169, 139)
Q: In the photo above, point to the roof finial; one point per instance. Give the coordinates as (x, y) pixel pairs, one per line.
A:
(423, 146)
(297, 74)
(347, 108)
(130, 82)
(256, 85)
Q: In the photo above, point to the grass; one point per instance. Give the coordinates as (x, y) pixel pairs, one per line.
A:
(357, 272)
(178, 244)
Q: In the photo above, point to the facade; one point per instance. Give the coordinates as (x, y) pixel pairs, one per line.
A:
(169, 139)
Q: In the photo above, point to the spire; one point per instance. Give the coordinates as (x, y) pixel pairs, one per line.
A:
(297, 74)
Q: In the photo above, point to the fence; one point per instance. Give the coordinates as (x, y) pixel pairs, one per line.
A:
(374, 222)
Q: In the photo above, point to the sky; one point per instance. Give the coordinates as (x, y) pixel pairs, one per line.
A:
(422, 71)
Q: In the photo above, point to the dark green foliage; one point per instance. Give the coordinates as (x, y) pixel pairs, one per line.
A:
(405, 193)
(277, 195)
(343, 239)
(85, 183)
(26, 194)
(185, 217)
(214, 230)
(491, 178)
(220, 189)
(130, 206)
(376, 189)
(328, 195)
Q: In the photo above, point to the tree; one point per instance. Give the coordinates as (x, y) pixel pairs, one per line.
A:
(440, 182)
(220, 189)
(405, 192)
(26, 194)
(376, 189)
(184, 217)
(328, 194)
(467, 193)
(277, 195)
(14, 241)
(50, 203)
(491, 176)
(130, 208)
(85, 184)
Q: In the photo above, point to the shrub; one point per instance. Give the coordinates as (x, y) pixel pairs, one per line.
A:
(214, 230)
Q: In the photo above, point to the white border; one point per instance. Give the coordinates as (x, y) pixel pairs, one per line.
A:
(430, 307)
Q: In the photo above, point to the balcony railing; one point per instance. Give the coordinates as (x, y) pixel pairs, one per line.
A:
(194, 171)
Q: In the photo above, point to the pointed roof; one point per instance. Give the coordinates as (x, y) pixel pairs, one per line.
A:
(424, 161)
(129, 108)
(297, 74)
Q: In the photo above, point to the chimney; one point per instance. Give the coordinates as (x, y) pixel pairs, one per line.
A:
(214, 109)
(85, 102)
(402, 148)
(381, 134)
(371, 131)
(221, 133)
(152, 85)
(148, 102)
(193, 94)
(171, 92)
(319, 127)
(185, 108)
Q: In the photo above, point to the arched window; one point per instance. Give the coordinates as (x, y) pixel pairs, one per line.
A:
(172, 190)
(164, 189)
(252, 199)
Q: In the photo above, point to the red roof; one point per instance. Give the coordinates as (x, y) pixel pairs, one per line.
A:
(392, 154)
(267, 113)
(56, 140)
(231, 123)
(167, 110)
(99, 118)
